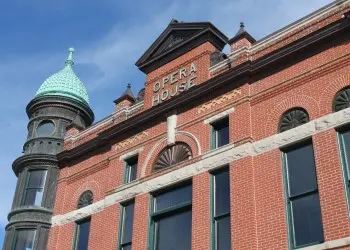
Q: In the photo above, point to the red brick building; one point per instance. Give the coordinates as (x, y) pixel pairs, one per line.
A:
(248, 149)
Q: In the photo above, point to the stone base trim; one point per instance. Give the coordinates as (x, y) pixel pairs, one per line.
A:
(209, 161)
(329, 244)
(219, 116)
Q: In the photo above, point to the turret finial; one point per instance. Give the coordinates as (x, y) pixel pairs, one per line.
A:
(69, 60)
(129, 85)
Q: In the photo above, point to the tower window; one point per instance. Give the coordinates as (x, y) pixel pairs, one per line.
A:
(303, 201)
(171, 219)
(34, 190)
(45, 128)
(221, 226)
(130, 169)
(82, 231)
(220, 133)
(24, 239)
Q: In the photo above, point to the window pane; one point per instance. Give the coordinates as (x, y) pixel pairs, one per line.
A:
(83, 235)
(128, 223)
(174, 232)
(307, 220)
(45, 128)
(131, 169)
(223, 233)
(174, 197)
(24, 240)
(346, 140)
(223, 136)
(36, 179)
(33, 197)
(126, 247)
(301, 170)
(222, 192)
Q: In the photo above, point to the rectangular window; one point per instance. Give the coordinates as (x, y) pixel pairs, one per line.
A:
(24, 239)
(171, 219)
(127, 221)
(304, 210)
(221, 226)
(220, 133)
(82, 230)
(130, 169)
(34, 188)
(344, 142)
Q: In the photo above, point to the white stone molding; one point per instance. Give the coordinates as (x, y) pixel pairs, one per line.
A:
(218, 116)
(130, 154)
(332, 244)
(171, 127)
(211, 160)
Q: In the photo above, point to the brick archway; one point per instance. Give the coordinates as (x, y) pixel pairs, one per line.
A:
(328, 94)
(180, 136)
(302, 101)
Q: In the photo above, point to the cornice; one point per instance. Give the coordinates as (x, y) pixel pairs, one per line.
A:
(33, 159)
(247, 69)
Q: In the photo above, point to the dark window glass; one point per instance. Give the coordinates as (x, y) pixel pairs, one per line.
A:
(301, 170)
(131, 169)
(172, 219)
(221, 133)
(223, 229)
(34, 190)
(83, 229)
(346, 145)
(45, 128)
(127, 225)
(24, 239)
(303, 198)
(173, 198)
(307, 220)
(222, 193)
(174, 232)
(221, 213)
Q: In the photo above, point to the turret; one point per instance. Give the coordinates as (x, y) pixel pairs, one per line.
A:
(61, 101)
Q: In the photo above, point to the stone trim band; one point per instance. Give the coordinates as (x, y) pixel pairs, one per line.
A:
(209, 161)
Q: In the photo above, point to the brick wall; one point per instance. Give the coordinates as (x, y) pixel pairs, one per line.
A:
(258, 216)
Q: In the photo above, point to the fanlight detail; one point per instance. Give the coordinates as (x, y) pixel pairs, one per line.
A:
(293, 118)
(85, 199)
(342, 100)
(172, 155)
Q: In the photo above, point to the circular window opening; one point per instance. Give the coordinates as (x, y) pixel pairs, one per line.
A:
(45, 128)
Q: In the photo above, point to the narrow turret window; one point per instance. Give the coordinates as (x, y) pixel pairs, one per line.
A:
(24, 239)
(34, 190)
(220, 133)
(82, 231)
(130, 169)
(126, 226)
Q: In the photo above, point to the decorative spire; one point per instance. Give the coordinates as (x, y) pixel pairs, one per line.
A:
(241, 33)
(69, 60)
(241, 29)
(126, 95)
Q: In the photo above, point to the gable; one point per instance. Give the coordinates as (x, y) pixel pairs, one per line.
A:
(177, 39)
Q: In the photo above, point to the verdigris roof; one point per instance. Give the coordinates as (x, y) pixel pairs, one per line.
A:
(65, 83)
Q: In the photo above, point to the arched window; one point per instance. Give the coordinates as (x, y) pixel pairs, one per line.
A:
(342, 100)
(293, 118)
(85, 199)
(172, 155)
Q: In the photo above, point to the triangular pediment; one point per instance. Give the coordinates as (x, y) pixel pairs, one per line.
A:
(177, 39)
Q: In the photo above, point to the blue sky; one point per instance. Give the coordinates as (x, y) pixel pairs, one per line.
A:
(108, 37)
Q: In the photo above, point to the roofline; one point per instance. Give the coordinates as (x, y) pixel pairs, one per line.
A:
(338, 29)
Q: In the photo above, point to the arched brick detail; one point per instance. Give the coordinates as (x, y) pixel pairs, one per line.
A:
(180, 136)
(328, 94)
(93, 186)
(302, 101)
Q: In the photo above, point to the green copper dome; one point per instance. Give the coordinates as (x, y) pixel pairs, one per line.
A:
(65, 83)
